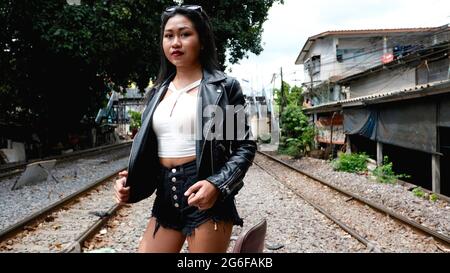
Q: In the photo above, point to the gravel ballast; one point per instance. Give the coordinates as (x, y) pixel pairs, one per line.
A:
(71, 176)
(435, 215)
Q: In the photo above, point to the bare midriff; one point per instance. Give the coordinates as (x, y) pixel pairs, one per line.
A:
(173, 162)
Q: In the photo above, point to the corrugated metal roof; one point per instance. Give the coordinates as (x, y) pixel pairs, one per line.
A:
(399, 93)
(373, 31)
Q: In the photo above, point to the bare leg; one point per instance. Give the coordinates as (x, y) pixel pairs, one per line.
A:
(165, 240)
(210, 237)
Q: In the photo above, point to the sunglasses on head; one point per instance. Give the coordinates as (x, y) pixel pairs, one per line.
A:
(189, 7)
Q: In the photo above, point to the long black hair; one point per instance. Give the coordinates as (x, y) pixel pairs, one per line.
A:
(202, 24)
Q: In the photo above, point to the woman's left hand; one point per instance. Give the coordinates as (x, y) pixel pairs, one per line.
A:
(202, 195)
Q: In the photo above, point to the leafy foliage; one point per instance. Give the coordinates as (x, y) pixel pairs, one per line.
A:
(58, 61)
(385, 174)
(418, 191)
(297, 134)
(433, 197)
(238, 25)
(351, 163)
(135, 119)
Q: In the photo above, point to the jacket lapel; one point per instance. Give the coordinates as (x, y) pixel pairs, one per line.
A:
(147, 121)
(153, 103)
(209, 94)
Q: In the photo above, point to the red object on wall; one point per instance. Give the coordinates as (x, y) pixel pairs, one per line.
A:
(387, 58)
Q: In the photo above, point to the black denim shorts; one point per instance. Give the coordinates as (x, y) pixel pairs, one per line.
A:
(171, 208)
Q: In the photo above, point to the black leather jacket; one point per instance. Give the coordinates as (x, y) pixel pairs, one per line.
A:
(222, 162)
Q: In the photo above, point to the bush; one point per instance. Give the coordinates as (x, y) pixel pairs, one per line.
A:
(297, 134)
(292, 147)
(351, 163)
(385, 174)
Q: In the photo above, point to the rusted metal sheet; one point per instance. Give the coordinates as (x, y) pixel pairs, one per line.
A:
(331, 127)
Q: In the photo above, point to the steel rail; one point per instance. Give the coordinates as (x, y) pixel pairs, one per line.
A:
(77, 245)
(342, 225)
(5, 170)
(17, 227)
(439, 236)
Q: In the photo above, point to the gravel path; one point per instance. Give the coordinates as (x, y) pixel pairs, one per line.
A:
(293, 225)
(72, 176)
(435, 215)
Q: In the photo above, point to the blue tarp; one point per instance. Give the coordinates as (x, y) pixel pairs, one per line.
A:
(408, 124)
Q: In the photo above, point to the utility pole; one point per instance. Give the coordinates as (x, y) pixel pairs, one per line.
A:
(312, 83)
(282, 92)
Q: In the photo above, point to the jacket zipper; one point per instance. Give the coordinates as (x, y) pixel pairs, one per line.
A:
(238, 172)
(210, 125)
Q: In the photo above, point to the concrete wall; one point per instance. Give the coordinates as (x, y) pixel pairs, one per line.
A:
(385, 81)
(371, 50)
(327, 51)
(367, 53)
(359, 54)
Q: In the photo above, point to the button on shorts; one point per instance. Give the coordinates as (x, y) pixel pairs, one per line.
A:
(171, 208)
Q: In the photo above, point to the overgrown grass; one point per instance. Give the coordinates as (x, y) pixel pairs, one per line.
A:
(419, 192)
(433, 197)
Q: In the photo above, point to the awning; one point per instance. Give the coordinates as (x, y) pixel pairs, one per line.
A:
(408, 124)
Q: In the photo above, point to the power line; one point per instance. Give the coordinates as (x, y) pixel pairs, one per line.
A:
(367, 65)
(370, 54)
(401, 73)
(363, 64)
(332, 60)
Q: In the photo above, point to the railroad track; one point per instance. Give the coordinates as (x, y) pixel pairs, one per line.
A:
(348, 196)
(65, 225)
(12, 169)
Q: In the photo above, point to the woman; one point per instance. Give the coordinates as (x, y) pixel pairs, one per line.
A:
(193, 158)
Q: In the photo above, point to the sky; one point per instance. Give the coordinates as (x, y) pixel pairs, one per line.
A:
(289, 26)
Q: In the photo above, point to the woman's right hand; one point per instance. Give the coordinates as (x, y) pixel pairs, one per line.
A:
(122, 192)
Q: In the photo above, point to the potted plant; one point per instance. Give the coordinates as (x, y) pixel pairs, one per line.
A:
(135, 122)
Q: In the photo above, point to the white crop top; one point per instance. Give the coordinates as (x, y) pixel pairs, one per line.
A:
(174, 123)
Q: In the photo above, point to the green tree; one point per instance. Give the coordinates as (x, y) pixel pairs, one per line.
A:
(294, 95)
(279, 96)
(238, 25)
(58, 61)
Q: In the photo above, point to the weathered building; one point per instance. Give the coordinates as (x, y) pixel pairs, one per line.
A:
(386, 92)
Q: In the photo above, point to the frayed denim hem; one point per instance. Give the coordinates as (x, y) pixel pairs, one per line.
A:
(190, 229)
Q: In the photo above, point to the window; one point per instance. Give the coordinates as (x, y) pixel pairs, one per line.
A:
(350, 54)
(312, 65)
(339, 55)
